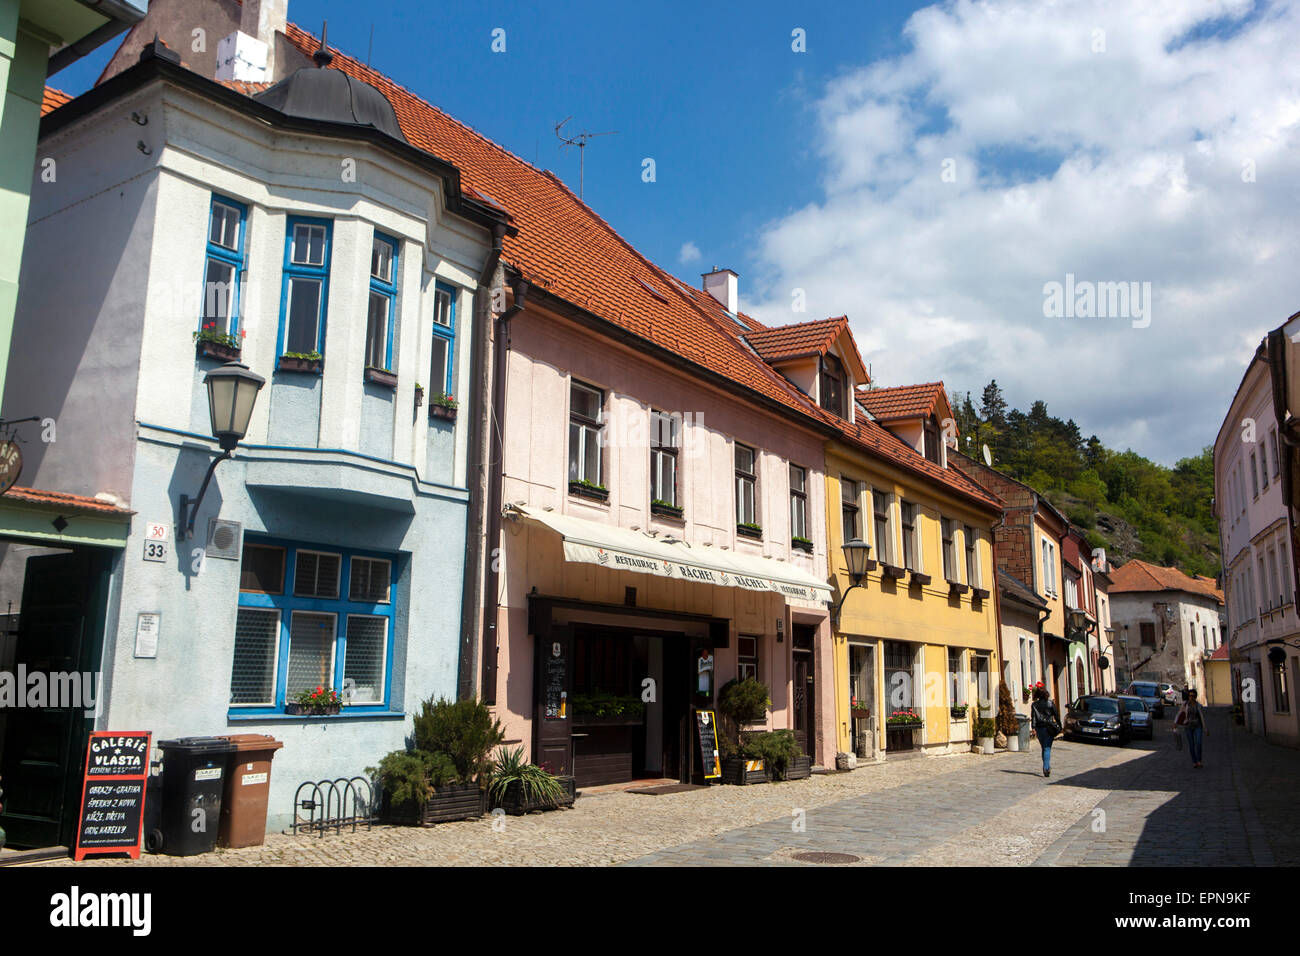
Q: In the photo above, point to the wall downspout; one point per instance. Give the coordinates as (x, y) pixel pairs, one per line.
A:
(476, 477)
(492, 594)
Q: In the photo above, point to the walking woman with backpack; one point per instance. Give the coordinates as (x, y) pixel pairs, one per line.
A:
(1047, 724)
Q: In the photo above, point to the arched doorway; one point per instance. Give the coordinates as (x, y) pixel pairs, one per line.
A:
(1078, 676)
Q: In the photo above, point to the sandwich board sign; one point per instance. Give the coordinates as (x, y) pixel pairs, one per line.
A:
(112, 794)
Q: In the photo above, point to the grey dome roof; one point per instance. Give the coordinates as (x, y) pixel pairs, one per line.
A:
(332, 96)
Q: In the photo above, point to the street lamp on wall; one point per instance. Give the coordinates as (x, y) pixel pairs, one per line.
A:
(856, 555)
(232, 392)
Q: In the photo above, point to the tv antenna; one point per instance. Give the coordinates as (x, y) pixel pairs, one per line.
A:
(580, 141)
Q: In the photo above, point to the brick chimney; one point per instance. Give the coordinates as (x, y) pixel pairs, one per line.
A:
(723, 285)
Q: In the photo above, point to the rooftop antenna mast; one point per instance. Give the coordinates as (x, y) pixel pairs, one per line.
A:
(580, 141)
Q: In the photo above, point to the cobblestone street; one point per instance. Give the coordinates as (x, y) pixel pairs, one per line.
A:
(959, 810)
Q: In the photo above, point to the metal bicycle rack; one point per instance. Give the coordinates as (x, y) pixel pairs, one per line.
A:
(333, 805)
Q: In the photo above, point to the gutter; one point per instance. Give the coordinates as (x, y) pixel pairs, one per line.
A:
(121, 17)
(471, 606)
(492, 595)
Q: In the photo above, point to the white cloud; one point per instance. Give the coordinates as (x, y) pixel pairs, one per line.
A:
(1123, 165)
(690, 252)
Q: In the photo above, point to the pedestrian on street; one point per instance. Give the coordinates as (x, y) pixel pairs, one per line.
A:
(1192, 721)
(1047, 724)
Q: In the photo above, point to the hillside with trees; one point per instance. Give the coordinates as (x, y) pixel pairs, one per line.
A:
(1129, 505)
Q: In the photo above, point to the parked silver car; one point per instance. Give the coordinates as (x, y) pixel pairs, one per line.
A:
(1139, 717)
(1149, 691)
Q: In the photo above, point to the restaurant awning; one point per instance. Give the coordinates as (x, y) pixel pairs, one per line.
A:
(591, 542)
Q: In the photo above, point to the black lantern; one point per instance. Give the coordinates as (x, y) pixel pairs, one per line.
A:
(856, 554)
(232, 392)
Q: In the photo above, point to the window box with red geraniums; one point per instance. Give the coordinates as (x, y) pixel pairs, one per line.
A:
(904, 718)
(318, 702)
(209, 342)
(443, 405)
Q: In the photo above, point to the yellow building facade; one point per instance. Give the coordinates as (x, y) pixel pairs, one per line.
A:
(920, 631)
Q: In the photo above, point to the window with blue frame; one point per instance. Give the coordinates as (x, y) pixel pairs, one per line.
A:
(306, 286)
(312, 617)
(444, 340)
(223, 266)
(383, 296)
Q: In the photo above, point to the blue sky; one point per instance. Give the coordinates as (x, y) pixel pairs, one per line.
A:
(1087, 139)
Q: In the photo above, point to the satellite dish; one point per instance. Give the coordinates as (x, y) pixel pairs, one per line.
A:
(988, 456)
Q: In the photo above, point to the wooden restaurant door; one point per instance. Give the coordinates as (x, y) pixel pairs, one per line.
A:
(553, 720)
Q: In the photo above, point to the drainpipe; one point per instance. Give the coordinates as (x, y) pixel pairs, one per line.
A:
(492, 595)
(476, 474)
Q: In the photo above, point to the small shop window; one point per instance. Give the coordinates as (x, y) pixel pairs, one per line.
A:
(262, 569)
(747, 658)
(317, 575)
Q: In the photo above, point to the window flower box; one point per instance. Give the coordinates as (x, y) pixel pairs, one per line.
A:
(381, 376)
(588, 489)
(516, 804)
(956, 587)
(959, 712)
(859, 713)
(982, 593)
(920, 578)
(443, 405)
(893, 571)
(801, 544)
(321, 701)
(750, 530)
(306, 710)
(204, 348)
(664, 510)
(312, 362)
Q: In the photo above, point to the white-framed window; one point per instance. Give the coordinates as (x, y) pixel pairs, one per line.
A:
(665, 440)
(1254, 478)
(747, 657)
(882, 525)
(586, 433)
(910, 515)
(971, 540)
(1277, 461)
(956, 676)
(1048, 549)
(798, 502)
(746, 485)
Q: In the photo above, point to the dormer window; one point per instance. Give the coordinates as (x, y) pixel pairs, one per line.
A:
(832, 386)
(931, 429)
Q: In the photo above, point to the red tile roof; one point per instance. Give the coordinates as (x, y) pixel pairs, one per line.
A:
(1220, 653)
(1143, 576)
(59, 501)
(901, 401)
(53, 99)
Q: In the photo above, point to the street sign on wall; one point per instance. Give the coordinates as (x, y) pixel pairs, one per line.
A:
(11, 465)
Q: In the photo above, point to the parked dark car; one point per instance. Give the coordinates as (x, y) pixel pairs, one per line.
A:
(1140, 718)
(1149, 691)
(1095, 717)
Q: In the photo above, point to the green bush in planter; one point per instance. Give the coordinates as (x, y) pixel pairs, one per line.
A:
(984, 727)
(776, 748)
(408, 776)
(464, 730)
(534, 782)
(741, 702)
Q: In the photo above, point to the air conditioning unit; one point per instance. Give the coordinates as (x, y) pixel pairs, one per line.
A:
(224, 539)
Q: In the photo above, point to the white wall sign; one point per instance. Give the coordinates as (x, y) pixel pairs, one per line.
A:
(147, 625)
(156, 534)
(155, 550)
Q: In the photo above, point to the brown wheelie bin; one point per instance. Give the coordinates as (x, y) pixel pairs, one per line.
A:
(248, 785)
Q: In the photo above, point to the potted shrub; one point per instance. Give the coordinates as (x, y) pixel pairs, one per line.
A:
(443, 405)
(780, 754)
(1008, 725)
(301, 362)
(984, 731)
(959, 711)
(606, 708)
(742, 702)
(519, 787)
(209, 342)
(318, 702)
(440, 776)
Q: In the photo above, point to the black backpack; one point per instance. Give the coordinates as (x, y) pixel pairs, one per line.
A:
(1044, 717)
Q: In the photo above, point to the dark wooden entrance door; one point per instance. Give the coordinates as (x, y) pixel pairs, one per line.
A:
(60, 631)
(553, 716)
(805, 689)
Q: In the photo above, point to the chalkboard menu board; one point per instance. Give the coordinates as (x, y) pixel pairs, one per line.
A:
(707, 724)
(556, 679)
(112, 794)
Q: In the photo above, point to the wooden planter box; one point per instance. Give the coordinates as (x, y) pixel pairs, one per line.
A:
(756, 533)
(586, 491)
(620, 720)
(734, 772)
(806, 546)
(298, 710)
(956, 587)
(982, 593)
(666, 511)
(800, 768)
(900, 737)
(215, 350)
(288, 363)
(514, 804)
(457, 801)
(920, 579)
(442, 411)
(892, 571)
(381, 376)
